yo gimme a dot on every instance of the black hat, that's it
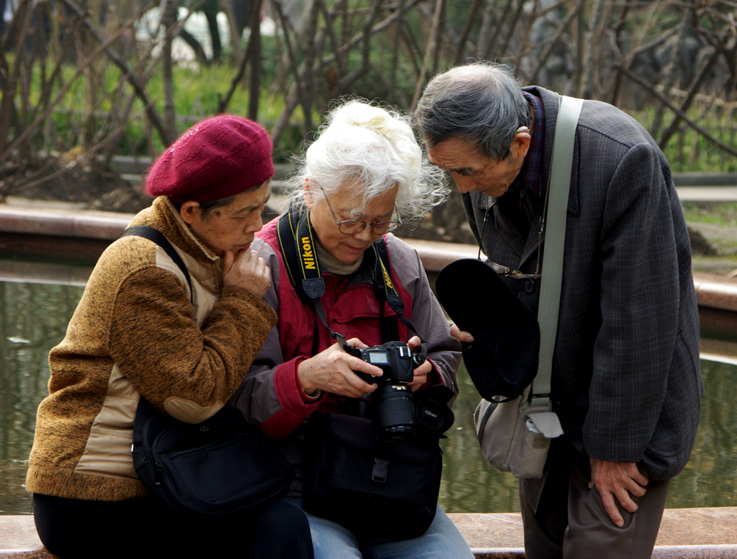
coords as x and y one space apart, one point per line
502 360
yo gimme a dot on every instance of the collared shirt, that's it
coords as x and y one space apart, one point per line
529 182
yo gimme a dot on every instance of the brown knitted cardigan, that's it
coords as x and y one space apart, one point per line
133 333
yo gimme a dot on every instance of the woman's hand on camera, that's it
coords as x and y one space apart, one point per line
334 371
248 270
421 372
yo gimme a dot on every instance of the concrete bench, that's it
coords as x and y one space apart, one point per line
703 533
707 533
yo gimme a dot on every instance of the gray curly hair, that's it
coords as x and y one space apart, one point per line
372 148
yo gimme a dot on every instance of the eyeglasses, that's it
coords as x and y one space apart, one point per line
511 273
507 271
353 227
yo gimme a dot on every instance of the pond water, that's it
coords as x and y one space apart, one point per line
37 300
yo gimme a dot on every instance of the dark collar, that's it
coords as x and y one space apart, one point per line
530 176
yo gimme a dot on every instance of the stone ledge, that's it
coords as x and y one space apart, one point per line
660 552
710 526
684 534
37 229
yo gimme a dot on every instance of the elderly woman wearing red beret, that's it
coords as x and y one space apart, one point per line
135 333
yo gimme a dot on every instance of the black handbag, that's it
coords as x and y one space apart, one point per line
220 466
375 488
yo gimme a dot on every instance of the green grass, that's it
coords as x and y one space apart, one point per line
81 116
690 152
715 214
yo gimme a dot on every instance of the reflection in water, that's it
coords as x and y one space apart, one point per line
709 479
33 318
470 484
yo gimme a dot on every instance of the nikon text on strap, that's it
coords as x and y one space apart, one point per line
297 242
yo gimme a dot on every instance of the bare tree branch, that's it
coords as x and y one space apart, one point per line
683 116
431 42
115 59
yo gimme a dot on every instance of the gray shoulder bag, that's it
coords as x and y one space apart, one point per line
515 435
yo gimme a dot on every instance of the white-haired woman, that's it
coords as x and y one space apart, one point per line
363 176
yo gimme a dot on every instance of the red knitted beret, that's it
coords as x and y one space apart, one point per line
219 157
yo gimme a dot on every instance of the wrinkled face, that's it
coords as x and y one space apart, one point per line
473 171
231 227
346 248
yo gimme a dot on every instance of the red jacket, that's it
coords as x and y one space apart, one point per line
270 394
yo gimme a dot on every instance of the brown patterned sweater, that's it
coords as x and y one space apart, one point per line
133 333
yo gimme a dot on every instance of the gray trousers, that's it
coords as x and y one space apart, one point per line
570 521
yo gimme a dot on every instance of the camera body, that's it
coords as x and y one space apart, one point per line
394 407
396 359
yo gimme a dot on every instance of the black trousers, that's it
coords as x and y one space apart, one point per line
145 527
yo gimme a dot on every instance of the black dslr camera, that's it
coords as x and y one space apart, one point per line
394 415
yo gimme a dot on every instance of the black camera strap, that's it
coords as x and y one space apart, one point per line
153 234
297 241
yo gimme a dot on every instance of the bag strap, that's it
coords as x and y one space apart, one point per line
153 234
555 235
145 410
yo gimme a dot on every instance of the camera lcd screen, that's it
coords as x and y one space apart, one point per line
378 358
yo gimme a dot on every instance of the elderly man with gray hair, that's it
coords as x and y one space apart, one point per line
626 383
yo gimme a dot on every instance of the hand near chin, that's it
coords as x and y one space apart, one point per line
247 270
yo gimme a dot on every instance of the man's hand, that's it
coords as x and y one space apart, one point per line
620 480
421 372
460 335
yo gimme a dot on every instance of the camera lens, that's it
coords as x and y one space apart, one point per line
395 411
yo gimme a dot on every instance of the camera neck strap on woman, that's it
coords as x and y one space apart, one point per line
153 234
298 246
